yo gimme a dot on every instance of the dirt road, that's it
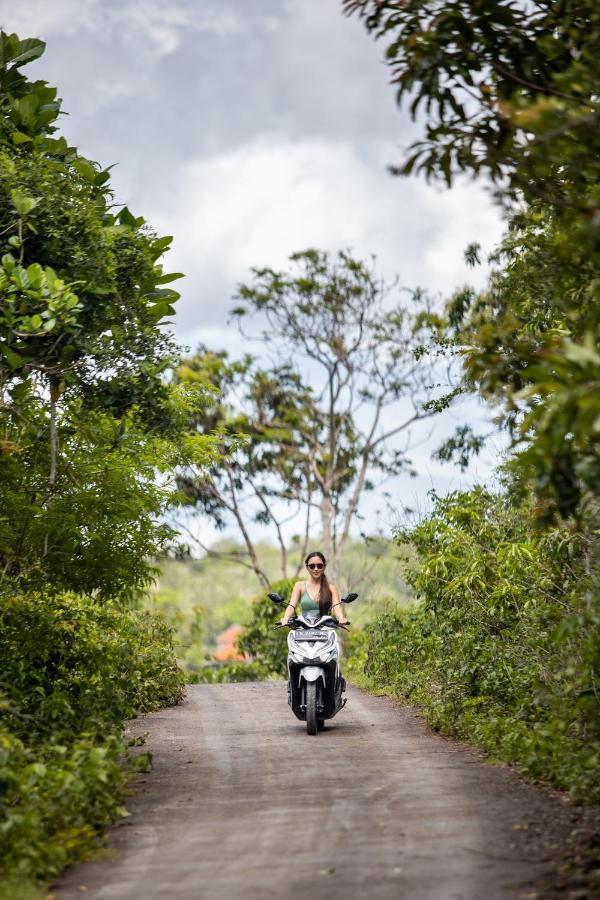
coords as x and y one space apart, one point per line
241 803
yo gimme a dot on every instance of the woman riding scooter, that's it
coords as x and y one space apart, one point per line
316 595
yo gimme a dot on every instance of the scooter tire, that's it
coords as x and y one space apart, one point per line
311 707
321 724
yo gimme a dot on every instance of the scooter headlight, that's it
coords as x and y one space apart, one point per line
300 649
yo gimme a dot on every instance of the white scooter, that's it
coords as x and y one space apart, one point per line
315 683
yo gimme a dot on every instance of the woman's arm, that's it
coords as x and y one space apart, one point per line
336 605
291 607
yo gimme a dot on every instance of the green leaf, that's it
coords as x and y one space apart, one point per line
159 310
171 276
56 146
12 357
19 137
85 168
28 50
163 294
25 110
160 245
125 217
581 354
20 391
23 203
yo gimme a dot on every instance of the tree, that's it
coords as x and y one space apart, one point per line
245 482
87 419
511 91
352 371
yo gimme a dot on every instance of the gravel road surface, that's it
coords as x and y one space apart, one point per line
242 803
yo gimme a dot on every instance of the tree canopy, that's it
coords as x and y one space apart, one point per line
87 418
510 90
353 369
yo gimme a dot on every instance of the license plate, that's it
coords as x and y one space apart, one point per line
310 636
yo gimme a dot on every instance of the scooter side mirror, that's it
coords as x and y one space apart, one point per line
276 598
349 598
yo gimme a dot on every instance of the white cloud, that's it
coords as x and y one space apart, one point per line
43 18
259 203
161 25
165 24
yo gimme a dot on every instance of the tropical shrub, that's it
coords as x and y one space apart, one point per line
260 639
89 432
504 646
232 671
71 671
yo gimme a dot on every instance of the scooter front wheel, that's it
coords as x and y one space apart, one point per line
311 707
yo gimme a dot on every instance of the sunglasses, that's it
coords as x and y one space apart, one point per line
316 566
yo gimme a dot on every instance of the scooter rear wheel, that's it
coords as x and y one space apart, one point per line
311 707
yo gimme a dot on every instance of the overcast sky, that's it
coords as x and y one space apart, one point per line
250 130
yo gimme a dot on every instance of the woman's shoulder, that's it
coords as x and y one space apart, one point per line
332 586
298 584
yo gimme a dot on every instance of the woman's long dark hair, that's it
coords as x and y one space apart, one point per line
325 596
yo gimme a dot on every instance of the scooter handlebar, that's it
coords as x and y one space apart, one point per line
293 624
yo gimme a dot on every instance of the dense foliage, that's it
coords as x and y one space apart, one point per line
71 672
89 430
86 417
504 646
511 90
260 639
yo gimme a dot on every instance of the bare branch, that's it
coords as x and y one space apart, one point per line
282 546
242 526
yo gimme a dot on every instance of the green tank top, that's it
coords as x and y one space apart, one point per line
307 604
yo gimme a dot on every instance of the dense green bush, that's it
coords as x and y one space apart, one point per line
355 644
70 672
260 639
54 798
90 431
503 649
235 670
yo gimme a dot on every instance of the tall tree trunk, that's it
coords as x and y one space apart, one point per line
326 523
304 547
